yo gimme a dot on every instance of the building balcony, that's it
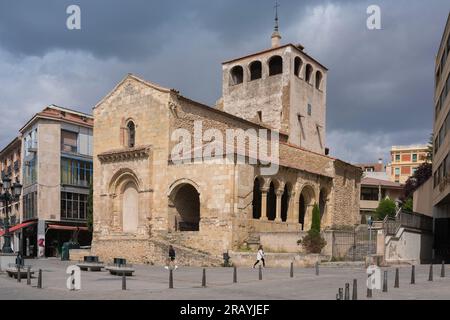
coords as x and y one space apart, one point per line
31 146
16 166
69 148
369 204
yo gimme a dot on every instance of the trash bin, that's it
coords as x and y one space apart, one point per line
65 250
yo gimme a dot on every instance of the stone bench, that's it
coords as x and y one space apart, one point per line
91 266
120 270
13 272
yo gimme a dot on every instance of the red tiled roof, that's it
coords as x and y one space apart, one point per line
378 182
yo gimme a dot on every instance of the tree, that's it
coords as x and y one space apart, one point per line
315 224
386 208
422 174
430 150
90 209
313 242
408 205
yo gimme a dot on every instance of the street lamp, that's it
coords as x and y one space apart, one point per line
10 193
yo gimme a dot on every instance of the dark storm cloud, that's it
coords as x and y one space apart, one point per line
380 84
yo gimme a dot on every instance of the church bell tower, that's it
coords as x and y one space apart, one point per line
282 88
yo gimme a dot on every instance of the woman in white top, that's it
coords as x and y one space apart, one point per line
260 257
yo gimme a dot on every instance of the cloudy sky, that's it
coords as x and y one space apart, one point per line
380 82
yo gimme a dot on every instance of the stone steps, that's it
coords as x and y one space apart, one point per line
186 256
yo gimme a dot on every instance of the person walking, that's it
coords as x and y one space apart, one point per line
260 257
171 259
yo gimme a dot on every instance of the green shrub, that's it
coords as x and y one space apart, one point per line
315 224
408 205
386 208
313 242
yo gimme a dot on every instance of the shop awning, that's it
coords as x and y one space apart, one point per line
70 228
18 227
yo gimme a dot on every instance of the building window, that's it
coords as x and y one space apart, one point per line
259 114
275 65
369 194
318 79
236 75
69 141
397 158
414 157
255 70
297 66
309 109
131 134
30 206
73 206
308 73
29 172
397 171
76 172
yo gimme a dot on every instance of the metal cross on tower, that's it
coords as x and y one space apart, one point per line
277 5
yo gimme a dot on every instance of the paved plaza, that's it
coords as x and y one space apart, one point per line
151 283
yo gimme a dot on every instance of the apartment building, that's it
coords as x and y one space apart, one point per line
10 166
441 159
57 173
405 161
374 190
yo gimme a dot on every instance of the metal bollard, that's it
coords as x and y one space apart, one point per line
317 268
29 275
235 275
39 284
170 279
413 274
292 270
260 273
204 278
124 281
19 274
347 291
397 281
385 280
369 293
355 290
430 276
443 270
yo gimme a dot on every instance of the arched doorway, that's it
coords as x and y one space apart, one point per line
256 203
285 203
185 207
306 202
130 208
271 203
302 213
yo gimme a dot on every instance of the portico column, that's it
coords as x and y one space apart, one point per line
264 192
291 211
279 194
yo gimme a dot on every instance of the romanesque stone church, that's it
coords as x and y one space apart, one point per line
144 201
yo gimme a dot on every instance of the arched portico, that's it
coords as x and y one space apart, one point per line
184 206
306 202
